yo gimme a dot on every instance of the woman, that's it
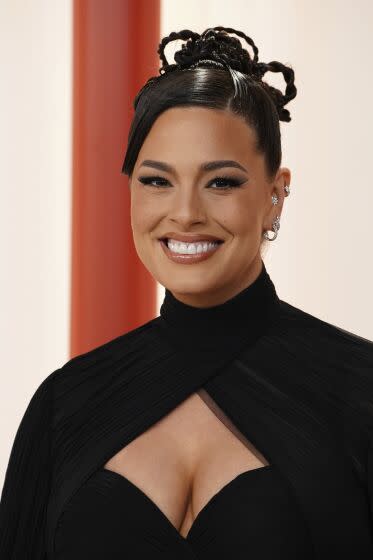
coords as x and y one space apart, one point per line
233 425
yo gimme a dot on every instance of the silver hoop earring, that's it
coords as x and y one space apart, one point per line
275 228
287 190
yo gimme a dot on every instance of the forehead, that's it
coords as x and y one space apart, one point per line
191 134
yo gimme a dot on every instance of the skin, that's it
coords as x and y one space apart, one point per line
187 200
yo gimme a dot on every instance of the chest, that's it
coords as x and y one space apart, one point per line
186 458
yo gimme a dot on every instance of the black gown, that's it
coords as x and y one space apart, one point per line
254 515
298 388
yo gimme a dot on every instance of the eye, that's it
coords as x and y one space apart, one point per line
230 182
150 180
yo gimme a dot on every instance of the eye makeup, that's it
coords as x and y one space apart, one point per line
230 182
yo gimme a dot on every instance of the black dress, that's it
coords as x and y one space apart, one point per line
299 389
254 515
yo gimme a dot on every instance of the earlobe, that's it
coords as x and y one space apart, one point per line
277 199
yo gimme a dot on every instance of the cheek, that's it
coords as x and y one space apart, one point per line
241 216
143 213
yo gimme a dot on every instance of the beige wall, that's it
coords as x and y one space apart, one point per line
322 258
35 144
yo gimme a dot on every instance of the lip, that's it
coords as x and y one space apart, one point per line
187 259
189 237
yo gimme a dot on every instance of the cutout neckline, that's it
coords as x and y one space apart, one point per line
202 511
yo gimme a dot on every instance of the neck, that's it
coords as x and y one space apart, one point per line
219 296
237 322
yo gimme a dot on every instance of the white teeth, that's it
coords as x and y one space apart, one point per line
190 248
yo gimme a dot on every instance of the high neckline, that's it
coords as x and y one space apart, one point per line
239 321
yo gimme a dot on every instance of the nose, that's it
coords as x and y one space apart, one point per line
186 207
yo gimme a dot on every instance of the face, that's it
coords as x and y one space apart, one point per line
175 193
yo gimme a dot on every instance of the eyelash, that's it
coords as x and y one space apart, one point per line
234 183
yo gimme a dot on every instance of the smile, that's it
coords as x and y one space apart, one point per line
189 253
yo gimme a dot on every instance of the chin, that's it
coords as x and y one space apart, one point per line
191 284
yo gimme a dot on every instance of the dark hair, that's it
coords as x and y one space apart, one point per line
207 83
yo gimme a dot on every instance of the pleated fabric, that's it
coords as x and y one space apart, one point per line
298 388
26 489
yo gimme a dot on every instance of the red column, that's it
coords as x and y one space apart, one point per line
114 52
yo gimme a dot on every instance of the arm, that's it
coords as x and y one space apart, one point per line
24 497
370 476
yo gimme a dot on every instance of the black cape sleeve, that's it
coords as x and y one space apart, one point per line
370 477
26 486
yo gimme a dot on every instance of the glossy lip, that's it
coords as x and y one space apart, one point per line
187 259
189 237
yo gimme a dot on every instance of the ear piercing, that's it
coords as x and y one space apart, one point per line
275 228
276 222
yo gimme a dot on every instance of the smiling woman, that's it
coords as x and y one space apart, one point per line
233 425
214 184
210 124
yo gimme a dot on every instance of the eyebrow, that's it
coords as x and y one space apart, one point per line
207 166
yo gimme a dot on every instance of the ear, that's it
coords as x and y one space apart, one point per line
276 187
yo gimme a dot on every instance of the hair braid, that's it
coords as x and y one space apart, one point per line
279 98
216 48
185 35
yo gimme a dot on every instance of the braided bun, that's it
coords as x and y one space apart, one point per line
217 49
213 70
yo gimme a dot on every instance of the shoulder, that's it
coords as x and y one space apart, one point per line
85 379
295 319
74 380
326 343
112 349
116 350
334 360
